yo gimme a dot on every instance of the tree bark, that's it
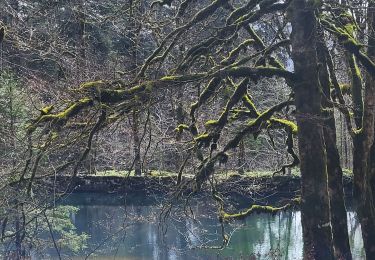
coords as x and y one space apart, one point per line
316 227
340 235
363 152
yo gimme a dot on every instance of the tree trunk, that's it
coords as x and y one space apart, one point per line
315 215
81 47
363 145
241 157
340 236
136 145
134 36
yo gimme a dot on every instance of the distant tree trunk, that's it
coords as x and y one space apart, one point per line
81 19
134 37
336 190
180 119
136 145
316 227
241 157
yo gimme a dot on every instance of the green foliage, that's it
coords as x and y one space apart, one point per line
56 221
12 99
65 230
13 113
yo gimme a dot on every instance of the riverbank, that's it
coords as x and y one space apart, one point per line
234 186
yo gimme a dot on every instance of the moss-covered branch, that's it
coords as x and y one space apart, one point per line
62 117
350 44
216 126
205 95
175 34
236 51
241 11
259 209
206 169
239 18
256 125
255 73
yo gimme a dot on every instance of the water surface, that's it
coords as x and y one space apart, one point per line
130 228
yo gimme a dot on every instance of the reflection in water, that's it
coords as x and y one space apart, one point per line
132 231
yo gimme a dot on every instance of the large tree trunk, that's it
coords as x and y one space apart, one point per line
316 225
336 190
363 193
363 145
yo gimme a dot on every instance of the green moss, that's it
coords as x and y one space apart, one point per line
46 110
181 127
235 52
71 110
275 63
348 22
351 45
205 95
149 86
291 125
54 135
169 78
357 71
259 209
259 71
358 131
61 117
343 35
350 29
92 84
30 128
345 89
347 172
252 122
183 78
249 104
203 139
211 123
